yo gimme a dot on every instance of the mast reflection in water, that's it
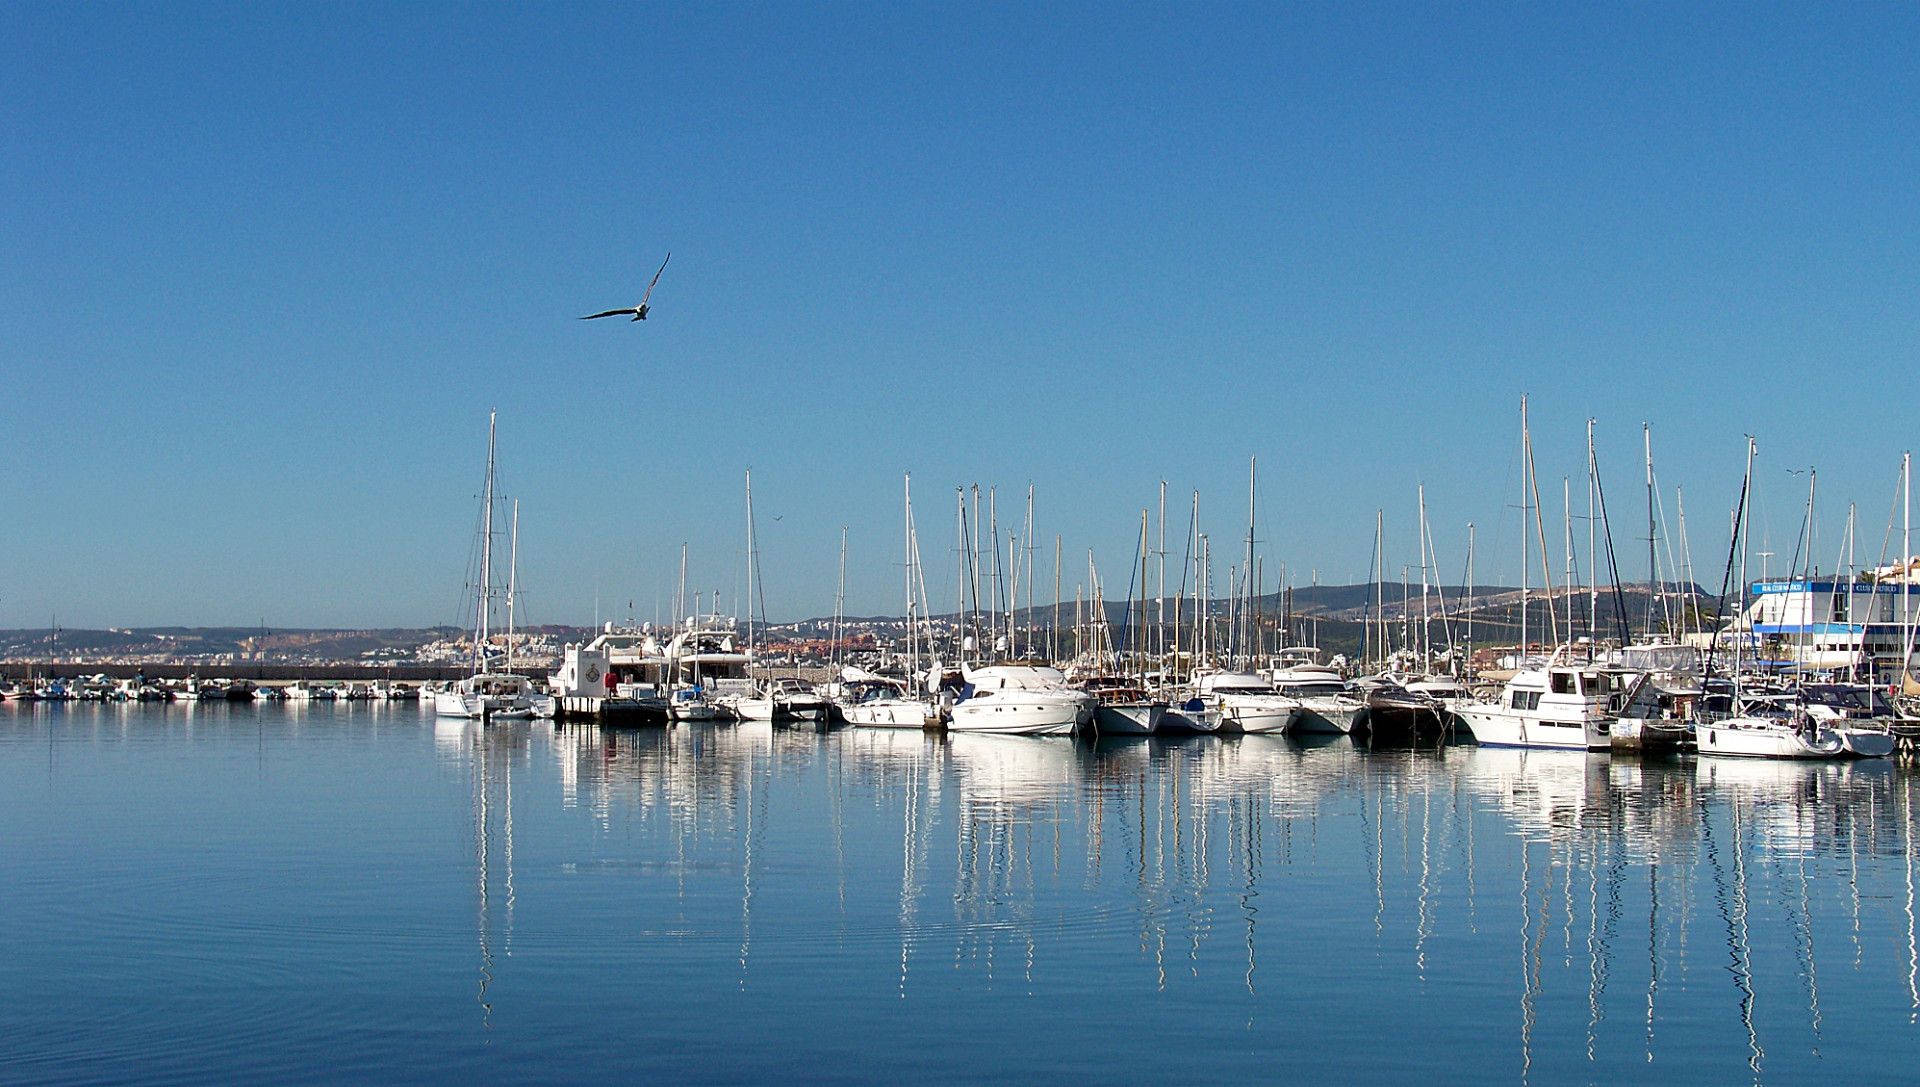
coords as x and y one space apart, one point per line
270 895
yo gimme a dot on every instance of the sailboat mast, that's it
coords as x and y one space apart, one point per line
1540 525
1426 618
1380 586
482 622
1053 629
913 622
1246 611
1566 499
751 543
840 603
1026 555
1469 597
1160 589
513 578
1746 523
973 561
1139 624
999 585
1653 559
1593 557
960 612
1526 466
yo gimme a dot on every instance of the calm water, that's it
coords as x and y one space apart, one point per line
362 893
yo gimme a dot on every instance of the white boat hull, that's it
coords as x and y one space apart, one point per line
888 713
458 704
1759 738
1015 715
1495 726
1256 715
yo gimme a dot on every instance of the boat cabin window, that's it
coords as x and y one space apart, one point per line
1526 700
1562 683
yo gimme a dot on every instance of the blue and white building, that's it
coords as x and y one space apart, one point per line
1831 625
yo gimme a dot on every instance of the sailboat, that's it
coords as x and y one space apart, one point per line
485 693
1762 728
883 702
1563 704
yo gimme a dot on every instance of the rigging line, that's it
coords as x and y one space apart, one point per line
1613 563
1726 579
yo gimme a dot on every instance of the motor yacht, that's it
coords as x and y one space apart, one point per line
1559 706
1326 702
1245 701
1020 699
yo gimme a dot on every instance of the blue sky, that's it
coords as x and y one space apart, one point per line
265 268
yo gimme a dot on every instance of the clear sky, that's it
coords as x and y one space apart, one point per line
265 268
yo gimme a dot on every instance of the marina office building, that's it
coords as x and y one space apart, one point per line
1832 624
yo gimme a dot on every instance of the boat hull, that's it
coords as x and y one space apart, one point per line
1326 716
1396 721
1256 716
888 713
1649 736
1016 716
1499 727
1750 738
1129 718
1864 743
1190 718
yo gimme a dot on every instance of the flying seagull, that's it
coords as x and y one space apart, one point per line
640 311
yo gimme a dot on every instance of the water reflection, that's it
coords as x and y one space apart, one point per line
1622 912
490 753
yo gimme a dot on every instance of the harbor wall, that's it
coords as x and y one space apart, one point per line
253 670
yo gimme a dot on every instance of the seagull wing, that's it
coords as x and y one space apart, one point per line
656 279
609 313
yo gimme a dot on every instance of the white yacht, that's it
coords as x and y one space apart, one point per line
1020 699
1246 702
494 695
786 698
879 702
1560 706
1325 699
692 704
706 654
624 665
